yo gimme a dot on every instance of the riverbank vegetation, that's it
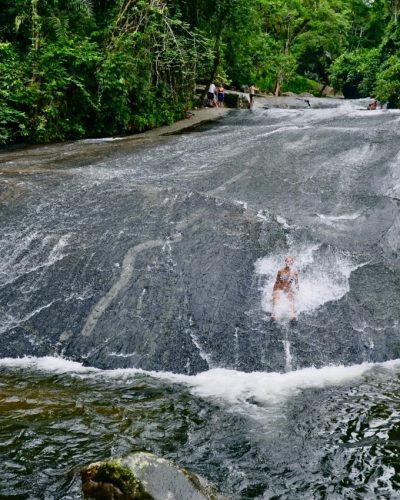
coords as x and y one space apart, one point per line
88 68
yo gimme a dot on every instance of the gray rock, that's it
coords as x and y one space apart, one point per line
144 476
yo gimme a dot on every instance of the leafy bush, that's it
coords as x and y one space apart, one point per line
388 82
299 84
354 73
369 67
121 77
13 95
64 90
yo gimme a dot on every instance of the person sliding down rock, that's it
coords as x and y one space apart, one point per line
287 282
373 105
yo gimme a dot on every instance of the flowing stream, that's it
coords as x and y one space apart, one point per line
135 302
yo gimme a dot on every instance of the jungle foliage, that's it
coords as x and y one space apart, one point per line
86 68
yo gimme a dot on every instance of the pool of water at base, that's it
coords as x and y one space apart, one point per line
316 433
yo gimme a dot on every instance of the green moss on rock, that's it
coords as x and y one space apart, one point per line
112 480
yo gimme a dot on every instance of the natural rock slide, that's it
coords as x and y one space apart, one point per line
161 254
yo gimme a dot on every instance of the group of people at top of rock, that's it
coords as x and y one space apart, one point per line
216 95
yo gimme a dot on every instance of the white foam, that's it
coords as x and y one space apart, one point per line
219 383
47 364
288 355
282 221
263 215
280 130
333 219
123 355
202 353
234 386
241 203
323 275
100 140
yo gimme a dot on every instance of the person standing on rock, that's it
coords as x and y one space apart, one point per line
211 95
287 282
221 96
252 94
373 105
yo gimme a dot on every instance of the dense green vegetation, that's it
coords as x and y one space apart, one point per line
78 68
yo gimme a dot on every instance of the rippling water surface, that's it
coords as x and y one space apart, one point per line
327 433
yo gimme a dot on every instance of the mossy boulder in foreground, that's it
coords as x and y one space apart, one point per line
143 476
112 480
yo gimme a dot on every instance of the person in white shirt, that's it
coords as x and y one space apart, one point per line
211 95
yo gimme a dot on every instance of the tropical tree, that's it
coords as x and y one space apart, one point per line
298 28
387 87
354 73
149 68
371 66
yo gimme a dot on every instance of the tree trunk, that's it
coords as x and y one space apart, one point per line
278 83
277 89
281 74
35 38
395 9
217 58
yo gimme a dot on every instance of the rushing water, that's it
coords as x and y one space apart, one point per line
327 433
149 265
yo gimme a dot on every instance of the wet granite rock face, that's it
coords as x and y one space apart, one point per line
143 476
164 280
146 257
236 100
187 295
